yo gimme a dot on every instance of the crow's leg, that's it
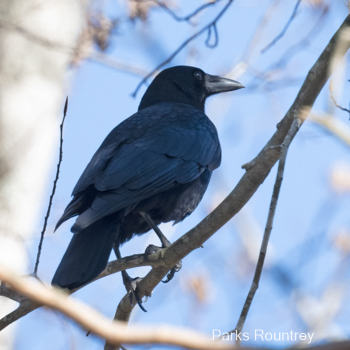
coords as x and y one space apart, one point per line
130 283
165 243
163 239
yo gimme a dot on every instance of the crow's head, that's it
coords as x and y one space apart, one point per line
185 84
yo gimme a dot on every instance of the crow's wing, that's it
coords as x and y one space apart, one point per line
172 129
148 153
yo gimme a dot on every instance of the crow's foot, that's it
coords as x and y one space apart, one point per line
172 272
131 287
153 249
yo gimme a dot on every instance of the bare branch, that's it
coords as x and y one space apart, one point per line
89 54
339 43
333 125
102 58
208 27
114 332
302 44
26 306
333 98
35 273
288 55
269 224
279 36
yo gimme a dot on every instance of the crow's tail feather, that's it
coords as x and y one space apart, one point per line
87 254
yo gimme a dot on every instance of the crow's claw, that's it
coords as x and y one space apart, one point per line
153 249
172 272
131 287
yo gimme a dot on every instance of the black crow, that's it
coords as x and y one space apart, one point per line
153 167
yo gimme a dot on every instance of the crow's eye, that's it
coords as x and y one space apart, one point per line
198 75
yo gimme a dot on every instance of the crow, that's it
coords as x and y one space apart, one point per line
154 167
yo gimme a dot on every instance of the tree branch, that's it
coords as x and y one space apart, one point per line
334 100
117 332
114 332
268 228
26 305
209 27
257 170
35 273
334 126
279 36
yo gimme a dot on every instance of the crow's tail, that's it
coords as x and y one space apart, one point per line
87 254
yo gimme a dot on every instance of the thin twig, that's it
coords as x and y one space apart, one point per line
268 228
35 273
208 28
302 44
333 98
211 29
279 36
287 56
106 60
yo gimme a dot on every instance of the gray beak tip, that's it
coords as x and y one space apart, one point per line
215 84
236 85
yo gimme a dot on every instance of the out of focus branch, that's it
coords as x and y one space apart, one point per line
303 43
102 58
210 27
35 273
77 51
333 125
279 36
286 58
26 305
114 332
117 332
333 98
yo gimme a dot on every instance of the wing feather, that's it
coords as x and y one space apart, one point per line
150 152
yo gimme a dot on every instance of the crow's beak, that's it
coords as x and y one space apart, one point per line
215 84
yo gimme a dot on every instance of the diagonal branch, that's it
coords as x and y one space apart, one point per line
257 170
268 228
279 36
